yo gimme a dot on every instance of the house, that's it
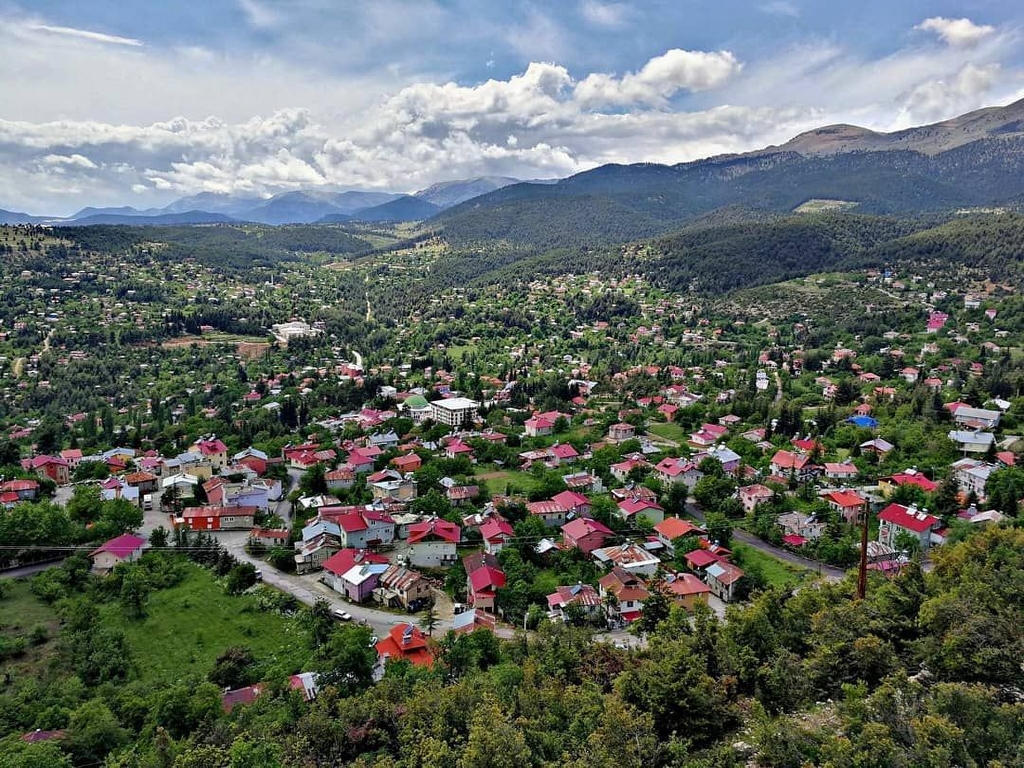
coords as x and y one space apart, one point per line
462 495
384 440
341 563
471 620
670 470
360 460
564 453
307 682
621 432
49 467
359 581
575 504
410 462
23 490
405 642
454 411
622 469
219 518
397 488
585 534
877 446
496 534
847 503
73 456
629 591
722 579
269 537
456 448
551 512
752 495
124 549
970 441
583 482
630 509
539 427
144 482
630 556
972 476
887 485
340 479
672 528
841 472
319 543
975 418
433 543
582 597
117 488
800 525
484 578
728 458
686 590
700 559
896 519
360 527
792 465
256 460
247 695
213 450
400 587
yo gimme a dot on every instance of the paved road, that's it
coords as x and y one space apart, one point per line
828 571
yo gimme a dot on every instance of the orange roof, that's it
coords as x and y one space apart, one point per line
674 527
405 641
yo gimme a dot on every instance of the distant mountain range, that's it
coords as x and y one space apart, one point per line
972 161
297 207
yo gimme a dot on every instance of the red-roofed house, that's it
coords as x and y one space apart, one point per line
678 471
50 467
496 534
405 641
630 508
575 504
539 427
896 519
247 695
341 562
564 453
888 485
550 511
23 490
841 472
219 518
433 543
672 528
585 534
483 583
788 464
687 590
410 462
630 592
213 450
847 503
699 559
124 549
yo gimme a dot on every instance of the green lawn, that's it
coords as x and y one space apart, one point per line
519 482
189 625
669 431
778 573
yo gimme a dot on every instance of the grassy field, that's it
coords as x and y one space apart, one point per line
20 613
519 482
189 625
778 573
669 431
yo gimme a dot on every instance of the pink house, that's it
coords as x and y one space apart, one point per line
585 534
630 508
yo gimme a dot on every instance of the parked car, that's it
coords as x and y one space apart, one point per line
341 615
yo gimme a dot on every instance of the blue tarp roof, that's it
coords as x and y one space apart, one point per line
863 421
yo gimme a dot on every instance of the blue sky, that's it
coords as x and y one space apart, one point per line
129 102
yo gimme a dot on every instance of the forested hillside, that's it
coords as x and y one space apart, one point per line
924 672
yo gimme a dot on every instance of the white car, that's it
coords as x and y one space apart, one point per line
341 615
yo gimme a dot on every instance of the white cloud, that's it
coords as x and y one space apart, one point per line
780 8
940 99
660 78
259 15
610 15
79 161
956 32
85 34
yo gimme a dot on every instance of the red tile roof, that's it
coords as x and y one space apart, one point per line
120 547
909 518
435 528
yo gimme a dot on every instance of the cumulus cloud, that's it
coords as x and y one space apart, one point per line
943 98
956 32
659 79
78 161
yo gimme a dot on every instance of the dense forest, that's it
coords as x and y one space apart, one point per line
924 672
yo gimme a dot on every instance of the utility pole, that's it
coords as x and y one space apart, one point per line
862 571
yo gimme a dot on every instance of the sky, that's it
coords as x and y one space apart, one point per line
140 102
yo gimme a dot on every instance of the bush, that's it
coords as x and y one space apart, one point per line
39 634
